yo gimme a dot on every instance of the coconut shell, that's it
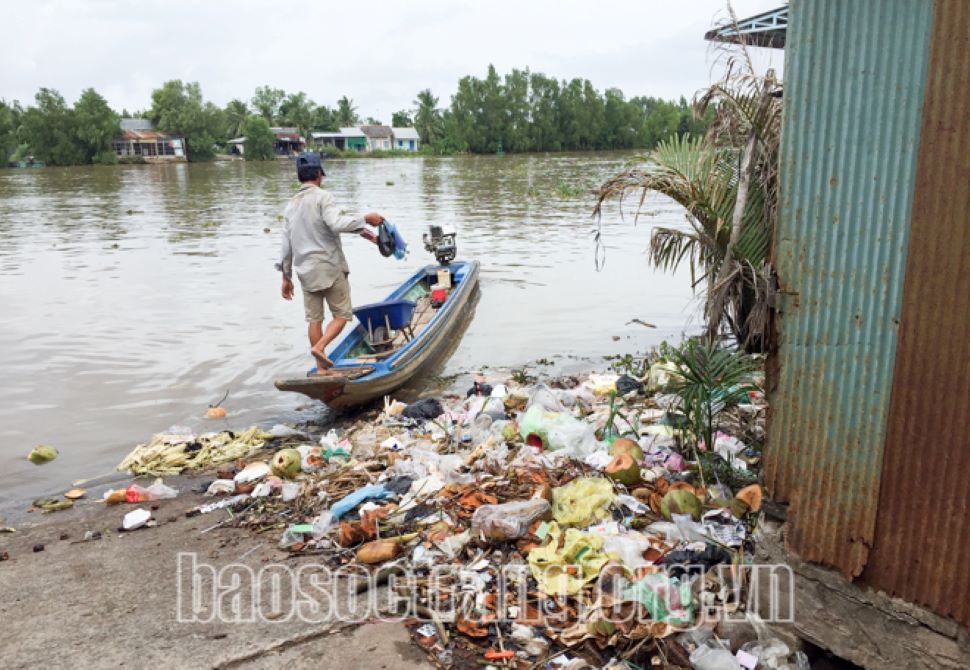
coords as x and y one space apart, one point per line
680 501
378 551
751 495
641 493
623 469
624 445
287 463
682 486
739 508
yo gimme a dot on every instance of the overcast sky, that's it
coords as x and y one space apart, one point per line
378 53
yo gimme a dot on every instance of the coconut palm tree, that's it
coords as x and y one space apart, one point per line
727 181
236 114
427 118
347 112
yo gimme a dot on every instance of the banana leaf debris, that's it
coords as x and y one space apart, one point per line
573 523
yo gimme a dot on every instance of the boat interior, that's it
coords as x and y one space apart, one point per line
384 328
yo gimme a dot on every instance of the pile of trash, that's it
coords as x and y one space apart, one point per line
568 523
181 449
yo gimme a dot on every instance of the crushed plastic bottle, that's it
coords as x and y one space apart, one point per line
509 521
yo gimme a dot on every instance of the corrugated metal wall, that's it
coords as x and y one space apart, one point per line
869 436
923 526
853 99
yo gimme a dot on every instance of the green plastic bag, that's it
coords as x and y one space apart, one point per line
666 598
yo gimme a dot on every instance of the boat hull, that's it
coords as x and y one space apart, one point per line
427 354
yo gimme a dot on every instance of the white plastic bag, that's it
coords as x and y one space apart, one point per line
713 658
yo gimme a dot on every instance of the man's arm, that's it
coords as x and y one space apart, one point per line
285 265
342 223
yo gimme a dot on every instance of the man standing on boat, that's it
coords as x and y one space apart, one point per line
311 245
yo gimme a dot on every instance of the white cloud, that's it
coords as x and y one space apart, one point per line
380 54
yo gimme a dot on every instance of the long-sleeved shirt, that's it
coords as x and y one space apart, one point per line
312 224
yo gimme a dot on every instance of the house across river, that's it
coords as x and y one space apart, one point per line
366 139
139 138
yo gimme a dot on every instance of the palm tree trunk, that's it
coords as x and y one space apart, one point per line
717 297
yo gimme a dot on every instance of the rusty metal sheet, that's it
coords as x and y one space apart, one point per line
854 85
923 529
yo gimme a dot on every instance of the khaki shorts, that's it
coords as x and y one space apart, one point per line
337 298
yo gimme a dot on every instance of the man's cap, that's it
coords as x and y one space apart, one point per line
309 159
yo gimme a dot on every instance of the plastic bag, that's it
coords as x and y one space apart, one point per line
528 641
386 243
771 652
799 662
557 431
542 396
713 658
426 408
660 375
576 438
453 544
481 428
509 521
729 448
322 524
349 502
495 408
602 385
628 549
666 598
280 430
400 246
292 537
625 384
582 501
159 491
565 570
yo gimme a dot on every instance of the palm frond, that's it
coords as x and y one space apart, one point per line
703 174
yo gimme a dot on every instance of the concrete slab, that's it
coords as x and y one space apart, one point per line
115 602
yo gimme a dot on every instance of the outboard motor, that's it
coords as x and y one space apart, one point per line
441 243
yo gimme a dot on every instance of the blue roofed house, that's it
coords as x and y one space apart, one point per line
406 139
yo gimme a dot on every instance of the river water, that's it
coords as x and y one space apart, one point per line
135 296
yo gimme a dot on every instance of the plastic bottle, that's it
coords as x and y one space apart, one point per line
509 521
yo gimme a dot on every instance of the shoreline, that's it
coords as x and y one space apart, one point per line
115 586
18 509
348 155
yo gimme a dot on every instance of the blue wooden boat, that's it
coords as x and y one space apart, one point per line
397 339
26 164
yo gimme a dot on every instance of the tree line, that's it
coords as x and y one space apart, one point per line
522 111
